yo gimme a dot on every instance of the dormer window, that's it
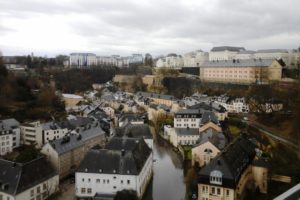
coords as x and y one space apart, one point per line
216 177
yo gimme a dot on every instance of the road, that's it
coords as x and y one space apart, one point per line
264 129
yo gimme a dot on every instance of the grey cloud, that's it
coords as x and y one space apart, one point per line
162 26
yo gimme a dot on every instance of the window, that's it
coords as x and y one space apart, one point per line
213 190
97 180
83 180
227 193
82 190
216 177
115 187
121 181
218 191
128 182
44 186
31 193
38 189
89 180
89 190
107 180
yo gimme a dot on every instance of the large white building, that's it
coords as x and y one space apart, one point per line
224 53
35 179
233 105
195 58
273 54
39 134
124 164
172 60
9 135
83 60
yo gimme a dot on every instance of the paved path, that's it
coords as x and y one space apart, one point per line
264 129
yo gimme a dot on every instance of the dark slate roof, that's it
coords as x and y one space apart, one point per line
228 48
134 131
8 124
76 123
120 156
189 111
130 117
233 160
19 177
216 138
186 131
208 107
246 52
272 51
238 63
157 96
73 141
209 117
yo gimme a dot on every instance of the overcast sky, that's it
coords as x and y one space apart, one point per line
105 27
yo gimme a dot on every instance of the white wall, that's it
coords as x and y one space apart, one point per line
112 183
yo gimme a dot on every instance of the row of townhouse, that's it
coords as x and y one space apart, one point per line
86 60
226 53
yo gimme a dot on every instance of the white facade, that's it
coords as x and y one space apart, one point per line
39 134
88 184
170 61
273 54
40 191
195 58
82 60
237 105
222 55
192 121
9 135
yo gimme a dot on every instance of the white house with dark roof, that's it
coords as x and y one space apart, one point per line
36 179
9 135
125 163
38 134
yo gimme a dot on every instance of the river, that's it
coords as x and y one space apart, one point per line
168 176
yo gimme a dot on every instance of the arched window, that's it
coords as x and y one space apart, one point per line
216 177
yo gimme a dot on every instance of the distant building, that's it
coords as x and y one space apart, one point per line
224 53
71 99
233 105
195 58
172 61
273 54
124 164
9 135
136 59
35 179
66 153
83 60
168 100
241 71
234 170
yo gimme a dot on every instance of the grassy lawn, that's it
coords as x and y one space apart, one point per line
235 131
187 152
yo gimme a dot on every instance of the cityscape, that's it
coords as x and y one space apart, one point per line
140 100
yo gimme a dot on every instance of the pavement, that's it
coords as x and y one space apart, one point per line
67 190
